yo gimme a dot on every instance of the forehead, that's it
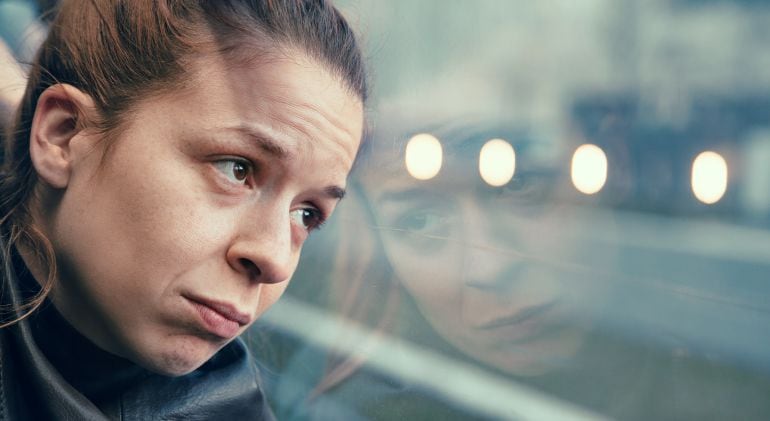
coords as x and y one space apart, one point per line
288 97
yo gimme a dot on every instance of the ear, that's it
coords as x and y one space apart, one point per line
60 116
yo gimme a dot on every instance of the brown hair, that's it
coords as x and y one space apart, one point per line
120 51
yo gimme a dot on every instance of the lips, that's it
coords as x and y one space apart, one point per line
525 325
219 318
521 316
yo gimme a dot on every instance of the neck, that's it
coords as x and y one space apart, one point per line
52 281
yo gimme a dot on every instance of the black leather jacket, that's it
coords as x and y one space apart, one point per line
48 371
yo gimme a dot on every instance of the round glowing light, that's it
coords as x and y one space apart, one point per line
423 156
497 162
589 168
709 177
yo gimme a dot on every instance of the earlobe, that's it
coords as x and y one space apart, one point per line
60 116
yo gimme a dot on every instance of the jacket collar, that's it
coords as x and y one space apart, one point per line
68 377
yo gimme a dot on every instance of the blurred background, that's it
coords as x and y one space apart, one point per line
562 211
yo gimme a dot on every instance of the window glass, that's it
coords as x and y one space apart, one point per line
562 212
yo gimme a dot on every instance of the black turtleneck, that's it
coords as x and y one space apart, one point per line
60 374
99 375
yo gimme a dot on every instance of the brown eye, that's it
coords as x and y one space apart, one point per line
308 218
240 172
235 170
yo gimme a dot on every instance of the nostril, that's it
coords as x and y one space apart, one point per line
252 270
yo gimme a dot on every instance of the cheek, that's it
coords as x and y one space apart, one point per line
433 280
173 225
139 224
417 268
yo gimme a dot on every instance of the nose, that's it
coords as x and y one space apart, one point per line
263 250
488 268
488 263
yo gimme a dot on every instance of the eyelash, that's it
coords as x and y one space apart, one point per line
227 166
319 221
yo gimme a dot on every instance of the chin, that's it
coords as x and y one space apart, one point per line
525 367
178 359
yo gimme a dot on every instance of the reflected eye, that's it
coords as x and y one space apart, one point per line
526 195
423 222
307 218
422 225
237 171
423 231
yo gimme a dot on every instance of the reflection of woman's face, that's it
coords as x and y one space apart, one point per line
479 260
194 223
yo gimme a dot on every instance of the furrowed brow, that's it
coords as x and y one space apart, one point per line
404 195
274 147
264 141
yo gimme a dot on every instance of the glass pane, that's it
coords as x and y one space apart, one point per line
589 262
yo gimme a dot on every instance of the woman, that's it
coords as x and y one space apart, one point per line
167 162
504 278
487 274
498 275
490 267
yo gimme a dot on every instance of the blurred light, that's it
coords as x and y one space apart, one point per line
497 162
709 177
423 156
589 168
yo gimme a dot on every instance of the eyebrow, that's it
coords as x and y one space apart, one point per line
263 140
335 192
409 194
273 147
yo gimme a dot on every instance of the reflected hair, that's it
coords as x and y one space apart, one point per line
120 52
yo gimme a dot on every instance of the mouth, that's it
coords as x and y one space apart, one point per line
525 325
219 318
524 315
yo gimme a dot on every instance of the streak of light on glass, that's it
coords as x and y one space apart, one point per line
589 168
423 156
497 162
709 177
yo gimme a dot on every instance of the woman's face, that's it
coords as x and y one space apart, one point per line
189 227
485 265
